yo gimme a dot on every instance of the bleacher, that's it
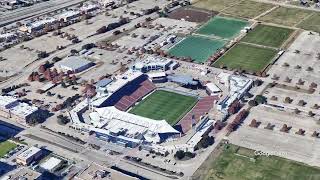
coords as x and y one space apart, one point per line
128 100
201 108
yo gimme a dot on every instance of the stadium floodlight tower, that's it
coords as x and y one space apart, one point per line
193 121
89 94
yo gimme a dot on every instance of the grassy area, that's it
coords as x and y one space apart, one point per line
312 23
196 47
222 27
268 35
165 105
248 9
215 5
285 16
5 147
246 57
229 166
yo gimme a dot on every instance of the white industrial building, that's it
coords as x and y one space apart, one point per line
28 156
237 85
51 164
10 107
212 89
154 63
38 25
74 63
69 16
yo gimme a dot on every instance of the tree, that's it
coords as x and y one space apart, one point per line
285 64
179 155
260 99
297 67
101 30
309 69
301 103
274 98
252 103
288 100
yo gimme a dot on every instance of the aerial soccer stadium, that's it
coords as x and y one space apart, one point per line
130 109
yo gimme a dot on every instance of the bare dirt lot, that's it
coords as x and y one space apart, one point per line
192 14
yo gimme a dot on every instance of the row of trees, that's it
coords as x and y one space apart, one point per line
237 120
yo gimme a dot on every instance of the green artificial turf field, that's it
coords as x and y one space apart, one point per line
5 147
165 105
229 166
268 35
246 57
196 47
222 27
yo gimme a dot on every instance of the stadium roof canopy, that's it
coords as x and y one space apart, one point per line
182 79
113 119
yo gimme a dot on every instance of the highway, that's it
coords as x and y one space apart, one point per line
35 10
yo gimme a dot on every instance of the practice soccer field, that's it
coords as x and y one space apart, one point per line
5 147
196 47
268 35
286 16
246 57
165 105
222 27
247 9
229 166
312 23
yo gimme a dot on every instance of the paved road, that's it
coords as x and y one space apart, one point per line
35 10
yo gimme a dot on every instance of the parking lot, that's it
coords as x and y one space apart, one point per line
289 145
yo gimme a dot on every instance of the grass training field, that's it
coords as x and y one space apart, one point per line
268 35
165 105
246 57
229 166
285 16
312 23
248 9
196 47
222 27
214 5
5 147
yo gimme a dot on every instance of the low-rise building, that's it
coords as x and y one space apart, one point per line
154 63
51 164
10 107
7 37
28 156
23 174
212 89
69 16
38 25
74 63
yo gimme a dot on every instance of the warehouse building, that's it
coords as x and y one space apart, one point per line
69 16
51 164
28 156
38 25
74 63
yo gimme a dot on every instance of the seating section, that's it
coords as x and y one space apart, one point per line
129 100
202 107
